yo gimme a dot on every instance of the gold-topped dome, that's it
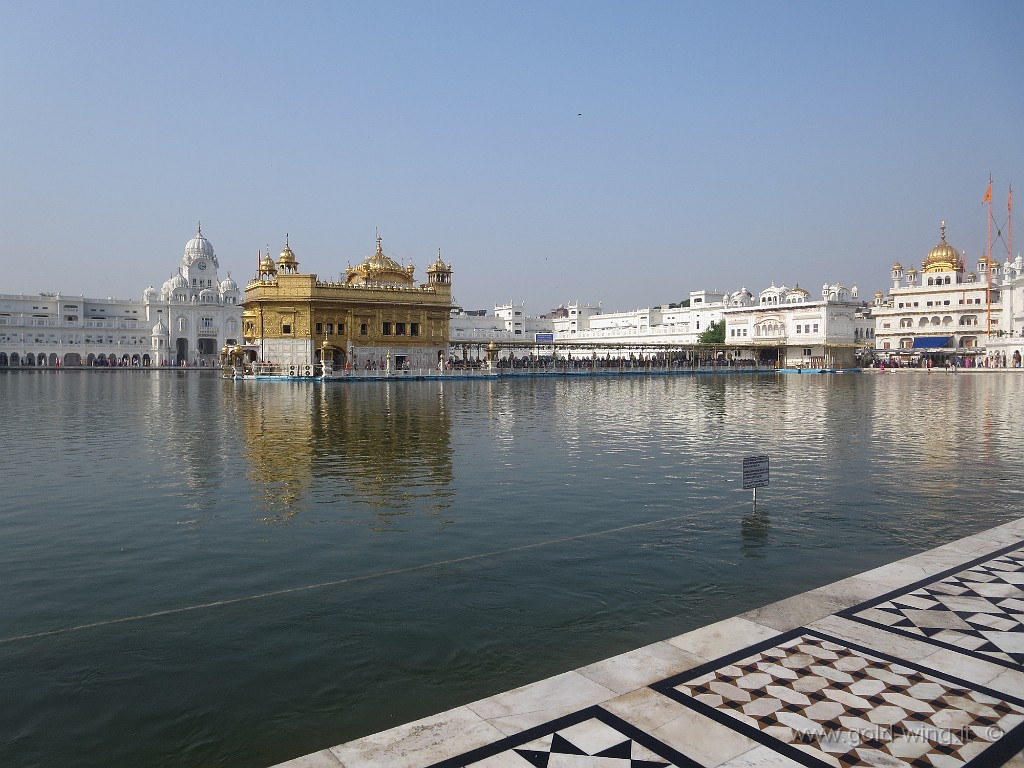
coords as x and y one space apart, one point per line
879 295
943 257
897 267
380 269
799 290
286 259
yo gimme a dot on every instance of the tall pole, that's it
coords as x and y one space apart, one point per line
988 255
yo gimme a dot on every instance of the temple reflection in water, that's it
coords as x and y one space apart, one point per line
372 446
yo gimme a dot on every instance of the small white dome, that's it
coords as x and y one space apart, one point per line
160 329
149 294
228 284
178 281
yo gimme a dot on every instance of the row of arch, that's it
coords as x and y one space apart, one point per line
923 322
71 359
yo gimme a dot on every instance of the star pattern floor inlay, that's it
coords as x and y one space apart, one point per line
977 609
590 738
822 701
805 696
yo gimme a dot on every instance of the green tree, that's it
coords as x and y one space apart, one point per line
715 334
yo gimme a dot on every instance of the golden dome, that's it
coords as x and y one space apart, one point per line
439 265
879 295
380 269
286 258
802 291
943 257
267 264
897 267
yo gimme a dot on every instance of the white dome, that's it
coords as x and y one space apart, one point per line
199 248
149 294
178 281
160 329
228 284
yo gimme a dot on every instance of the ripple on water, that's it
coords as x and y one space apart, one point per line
420 546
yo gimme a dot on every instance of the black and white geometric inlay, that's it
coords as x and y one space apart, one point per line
976 609
591 738
824 702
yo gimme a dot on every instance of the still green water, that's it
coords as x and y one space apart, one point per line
201 572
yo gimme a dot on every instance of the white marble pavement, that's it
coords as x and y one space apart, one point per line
917 663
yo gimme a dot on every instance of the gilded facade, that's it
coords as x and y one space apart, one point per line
375 316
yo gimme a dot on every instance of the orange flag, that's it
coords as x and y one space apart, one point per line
988 193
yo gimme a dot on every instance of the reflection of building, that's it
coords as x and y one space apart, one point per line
383 451
376 313
187 322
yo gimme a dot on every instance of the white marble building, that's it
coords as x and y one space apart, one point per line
195 313
944 312
803 332
186 323
781 323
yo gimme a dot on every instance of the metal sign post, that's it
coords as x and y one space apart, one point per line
755 473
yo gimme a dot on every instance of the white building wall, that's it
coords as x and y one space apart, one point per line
66 329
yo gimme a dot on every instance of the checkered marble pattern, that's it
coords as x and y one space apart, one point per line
591 738
977 609
821 701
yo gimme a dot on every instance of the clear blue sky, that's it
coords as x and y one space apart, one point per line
622 152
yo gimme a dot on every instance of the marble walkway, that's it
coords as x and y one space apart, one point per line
916 663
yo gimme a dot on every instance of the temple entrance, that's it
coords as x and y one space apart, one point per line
181 346
207 346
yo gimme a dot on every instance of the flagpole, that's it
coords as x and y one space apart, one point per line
988 254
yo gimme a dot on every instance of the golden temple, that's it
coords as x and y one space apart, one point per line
375 313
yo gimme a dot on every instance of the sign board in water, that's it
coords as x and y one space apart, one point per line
755 472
